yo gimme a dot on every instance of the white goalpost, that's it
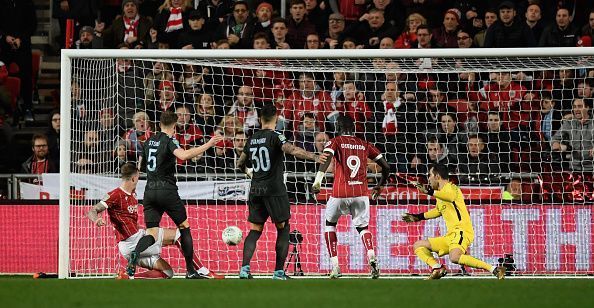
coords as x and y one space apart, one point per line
500 119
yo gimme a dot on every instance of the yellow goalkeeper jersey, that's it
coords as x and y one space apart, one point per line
450 205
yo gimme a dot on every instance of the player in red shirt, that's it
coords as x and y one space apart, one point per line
349 191
122 209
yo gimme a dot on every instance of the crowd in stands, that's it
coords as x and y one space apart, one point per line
481 125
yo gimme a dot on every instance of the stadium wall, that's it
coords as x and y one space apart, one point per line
544 239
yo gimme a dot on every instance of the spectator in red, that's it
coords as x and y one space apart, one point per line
130 28
244 110
409 35
350 9
18 23
533 17
40 162
445 35
135 137
563 33
172 19
298 24
279 31
336 26
509 31
238 28
187 134
263 18
490 18
310 98
196 36
369 31
356 107
167 100
505 96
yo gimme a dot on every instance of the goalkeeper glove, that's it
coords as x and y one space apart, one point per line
315 188
376 192
249 172
408 217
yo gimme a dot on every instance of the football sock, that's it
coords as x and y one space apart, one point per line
144 243
187 248
331 243
367 239
249 246
152 274
426 256
474 262
282 246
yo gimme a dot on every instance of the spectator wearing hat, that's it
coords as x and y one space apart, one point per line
263 18
562 33
87 39
298 24
130 28
172 20
509 31
533 20
584 41
370 31
445 35
197 36
336 26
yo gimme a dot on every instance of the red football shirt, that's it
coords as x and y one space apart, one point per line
350 175
122 208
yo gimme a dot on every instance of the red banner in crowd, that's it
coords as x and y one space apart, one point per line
405 193
543 239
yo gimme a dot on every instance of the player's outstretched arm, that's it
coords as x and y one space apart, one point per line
93 214
322 172
193 152
298 152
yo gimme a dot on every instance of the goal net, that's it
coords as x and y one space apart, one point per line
514 127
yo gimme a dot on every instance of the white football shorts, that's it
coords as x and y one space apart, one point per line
358 207
149 257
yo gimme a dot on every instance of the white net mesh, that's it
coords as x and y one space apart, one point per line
516 132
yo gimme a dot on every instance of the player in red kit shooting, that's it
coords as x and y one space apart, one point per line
122 209
349 191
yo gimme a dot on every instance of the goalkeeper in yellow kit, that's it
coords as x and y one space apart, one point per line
460 234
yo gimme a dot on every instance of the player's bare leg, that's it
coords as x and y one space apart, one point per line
282 249
331 245
249 247
457 256
423 250
367 239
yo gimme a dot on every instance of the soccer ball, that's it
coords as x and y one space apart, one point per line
232 235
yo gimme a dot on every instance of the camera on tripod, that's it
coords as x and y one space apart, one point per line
508 262
295 237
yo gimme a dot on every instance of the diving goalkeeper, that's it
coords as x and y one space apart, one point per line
460 234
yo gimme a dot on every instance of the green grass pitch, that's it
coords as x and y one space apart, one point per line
310 293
